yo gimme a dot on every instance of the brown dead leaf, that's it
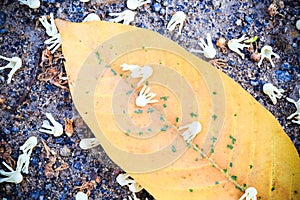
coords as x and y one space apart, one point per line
69 127
5 154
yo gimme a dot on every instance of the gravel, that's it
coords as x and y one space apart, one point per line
20 118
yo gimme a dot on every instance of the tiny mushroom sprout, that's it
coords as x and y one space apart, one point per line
250 194
23 163
14 64
91 17
134 4
81 196
177 18
127 16
13 176
235 45
88 143
145 97
56 130
54 43
51 29
29 145
273 92
134 187
207 49
138 72
23 160
267 52
296 114
31 3
192 130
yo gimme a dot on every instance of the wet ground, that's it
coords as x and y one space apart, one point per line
25 101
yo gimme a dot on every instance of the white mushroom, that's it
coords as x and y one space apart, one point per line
56 130
23 163
235 45
177 18
88 143
51 29
192 130
81 196
296 114
127 16
13 176
29 144
54 42
145 97
207 49
134 4
91 17
267 52
250 194
273 92
138 72
31 3
134 187
15 63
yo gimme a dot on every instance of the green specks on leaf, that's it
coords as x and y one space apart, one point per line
235 115
273 188
212 150
173 148
214 117
149 129
140 133
225 170
213 139
177 119
214 93
150 110
114 72
250 166
230 164
245 185
193 114
138 111
165 98
233 140
229 146
132 86
87 92
162 118
129 92
164 105
196 159
98 57
234 178
147 83
217 182
191 190
164 128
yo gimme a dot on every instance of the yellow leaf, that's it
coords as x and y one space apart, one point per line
240 145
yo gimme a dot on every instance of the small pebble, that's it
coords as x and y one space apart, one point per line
156 7
2 18
65 151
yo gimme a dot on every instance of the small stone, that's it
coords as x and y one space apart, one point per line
156 7
298 24
65 151
2 18
283 76
249 20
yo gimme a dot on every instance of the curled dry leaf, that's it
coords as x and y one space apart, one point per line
251 148
5 154
87 186
69 131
